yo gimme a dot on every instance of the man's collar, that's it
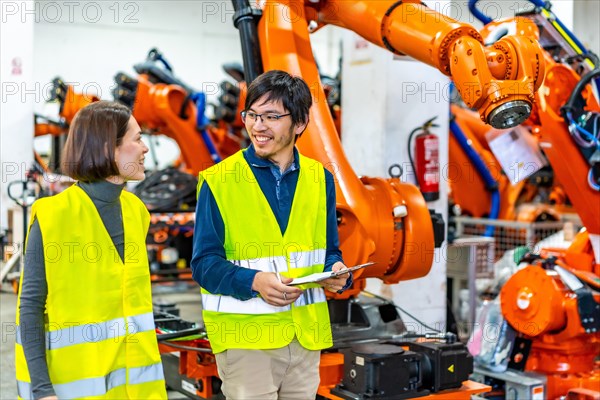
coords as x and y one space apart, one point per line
255 160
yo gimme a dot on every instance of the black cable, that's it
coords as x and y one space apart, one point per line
245 20
404 311
589 55
425 128
50 121
570 104
167 190
182 347
412 163
184 104
416 319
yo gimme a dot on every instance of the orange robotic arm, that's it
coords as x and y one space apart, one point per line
558 144
468 188
160 107
556 302
49 128
499 81
70 102
381 220
385 220
166 109
552 306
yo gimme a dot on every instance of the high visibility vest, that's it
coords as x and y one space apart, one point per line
100 333
253 240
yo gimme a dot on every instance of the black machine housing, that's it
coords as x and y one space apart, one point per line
403 370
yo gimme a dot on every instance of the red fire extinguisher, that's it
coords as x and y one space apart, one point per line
427 168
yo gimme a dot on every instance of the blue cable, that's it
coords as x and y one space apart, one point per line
484 19
592 138
538 3
588 135
582 130
591 182
490 183
199 98
494 211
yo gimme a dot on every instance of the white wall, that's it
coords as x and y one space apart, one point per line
16 108
88 42
495 9
585 23
579 16
94 43
384 99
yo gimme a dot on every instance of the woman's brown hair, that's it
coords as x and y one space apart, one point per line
96 130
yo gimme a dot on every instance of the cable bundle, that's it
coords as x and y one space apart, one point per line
168 190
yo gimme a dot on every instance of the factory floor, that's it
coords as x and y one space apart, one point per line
185 296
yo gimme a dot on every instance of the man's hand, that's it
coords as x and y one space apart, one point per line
49 398
274 292
337 282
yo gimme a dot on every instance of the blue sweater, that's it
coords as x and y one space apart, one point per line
210 267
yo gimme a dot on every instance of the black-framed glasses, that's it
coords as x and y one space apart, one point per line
251 116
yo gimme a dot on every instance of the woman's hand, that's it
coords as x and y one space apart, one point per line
49 398
336 283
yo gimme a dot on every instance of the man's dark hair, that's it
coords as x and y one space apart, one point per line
94 134
279 86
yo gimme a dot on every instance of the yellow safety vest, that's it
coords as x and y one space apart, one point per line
100 337
253 240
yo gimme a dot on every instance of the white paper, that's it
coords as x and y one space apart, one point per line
319 276
517 151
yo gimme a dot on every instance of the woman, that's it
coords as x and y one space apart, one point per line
85 310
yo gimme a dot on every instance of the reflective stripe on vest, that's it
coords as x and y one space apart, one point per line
253 240
98 386
307 258
228 304
97 332
298 259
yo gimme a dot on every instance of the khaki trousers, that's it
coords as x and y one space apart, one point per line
288 373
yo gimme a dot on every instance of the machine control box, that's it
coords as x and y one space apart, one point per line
402 370
380 371
444 365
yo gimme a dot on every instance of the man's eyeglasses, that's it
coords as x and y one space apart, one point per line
251 116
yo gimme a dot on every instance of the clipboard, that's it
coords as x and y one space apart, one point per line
321 276
356 267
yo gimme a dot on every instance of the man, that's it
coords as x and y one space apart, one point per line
264 216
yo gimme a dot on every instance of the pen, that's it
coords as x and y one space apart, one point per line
276 270
279 277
